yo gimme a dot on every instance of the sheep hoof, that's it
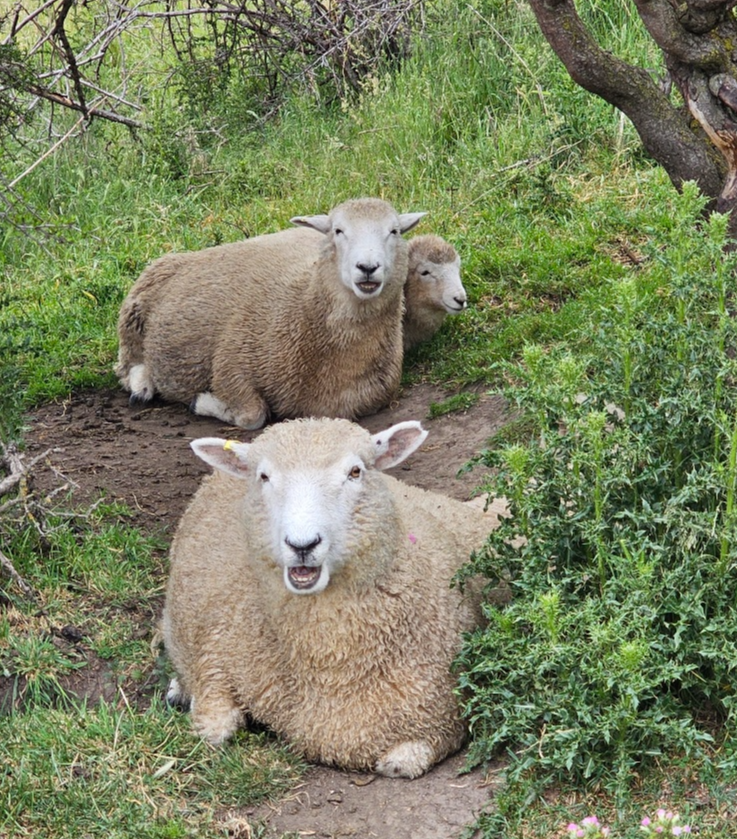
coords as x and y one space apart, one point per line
253 422
407 760
217 727
176 697
208 405
141 386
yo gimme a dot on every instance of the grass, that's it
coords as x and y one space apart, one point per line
547 196
115 771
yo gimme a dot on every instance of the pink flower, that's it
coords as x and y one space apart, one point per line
572 827
645 822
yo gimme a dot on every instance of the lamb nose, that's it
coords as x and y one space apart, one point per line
303 549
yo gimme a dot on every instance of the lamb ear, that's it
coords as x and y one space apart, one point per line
397 443
226 455
319 223
409 220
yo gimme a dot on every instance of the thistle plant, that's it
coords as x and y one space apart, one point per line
621 547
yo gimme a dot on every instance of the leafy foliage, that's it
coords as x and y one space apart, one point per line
620 640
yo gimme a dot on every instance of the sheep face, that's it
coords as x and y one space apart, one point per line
364 233
443 284
307 481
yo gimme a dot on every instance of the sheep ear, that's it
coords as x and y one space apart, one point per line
319 223
397 443
226 455
409 220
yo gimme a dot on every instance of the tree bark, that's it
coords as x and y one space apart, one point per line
698 39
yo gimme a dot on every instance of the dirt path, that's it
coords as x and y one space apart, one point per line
141 457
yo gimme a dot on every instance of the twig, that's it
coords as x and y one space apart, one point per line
17 468
48 152
9 569
92 111
18 26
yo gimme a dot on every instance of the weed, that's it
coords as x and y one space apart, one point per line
459 402
619 641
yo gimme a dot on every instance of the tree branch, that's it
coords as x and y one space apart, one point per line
59 32
686 37
94 110
663 129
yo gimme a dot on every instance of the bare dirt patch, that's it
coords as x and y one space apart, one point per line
141 457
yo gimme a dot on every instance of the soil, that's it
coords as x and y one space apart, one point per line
140 457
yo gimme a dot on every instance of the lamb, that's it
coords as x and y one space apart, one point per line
296 323
312 592
433 289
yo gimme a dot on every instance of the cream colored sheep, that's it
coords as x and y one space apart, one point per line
296 323
433 290
312 592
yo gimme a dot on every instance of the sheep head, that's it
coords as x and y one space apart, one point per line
435 265
364 233
315 490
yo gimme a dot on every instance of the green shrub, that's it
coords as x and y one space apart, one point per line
619 643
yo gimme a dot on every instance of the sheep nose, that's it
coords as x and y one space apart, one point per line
461 301
368 270
303 549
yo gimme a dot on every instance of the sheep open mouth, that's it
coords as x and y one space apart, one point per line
303 577
368 287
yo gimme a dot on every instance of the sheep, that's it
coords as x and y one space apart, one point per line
433 288
311 592
296 323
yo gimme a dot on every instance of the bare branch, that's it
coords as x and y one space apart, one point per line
59 32
16 27
92 111
48 152
9 569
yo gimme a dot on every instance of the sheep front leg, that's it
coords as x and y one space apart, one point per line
209 405
215 716
407 760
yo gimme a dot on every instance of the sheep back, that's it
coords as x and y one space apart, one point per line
180 305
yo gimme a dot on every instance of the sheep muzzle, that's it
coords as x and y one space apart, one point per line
303 577
368 287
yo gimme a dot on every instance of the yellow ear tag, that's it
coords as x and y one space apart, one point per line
228 445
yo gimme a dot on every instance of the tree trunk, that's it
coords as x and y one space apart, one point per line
698 39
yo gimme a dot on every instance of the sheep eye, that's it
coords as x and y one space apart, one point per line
394 232
264 478
338 231
355 473
424 273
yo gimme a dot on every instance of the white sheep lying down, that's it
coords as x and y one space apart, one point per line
433 290
312 592
303 322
